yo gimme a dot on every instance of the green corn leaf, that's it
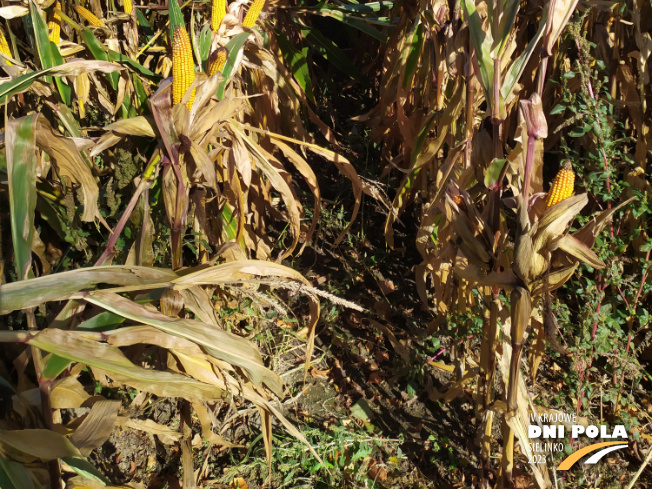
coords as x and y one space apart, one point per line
482 43
96 49
135 66
42 40
513 75
233 47
69 120
230 223
104 321
140 92
414 53
64 90
22 165
194 41
175 15
14 475
54 216
204 45
54 365
493 172
510 9
18 85
48 52
298 63
421 137
360 23
330 51
83 467
367 8
142 22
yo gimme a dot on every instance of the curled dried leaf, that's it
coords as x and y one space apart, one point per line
556 219
580 251
535 119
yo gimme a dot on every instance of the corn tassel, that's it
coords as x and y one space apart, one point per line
216 61
90 17
183 68
253 13
54 25
219 11
128 6
4 47
562 185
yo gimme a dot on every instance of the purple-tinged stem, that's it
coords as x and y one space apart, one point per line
109 250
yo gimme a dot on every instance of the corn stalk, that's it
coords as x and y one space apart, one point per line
490 35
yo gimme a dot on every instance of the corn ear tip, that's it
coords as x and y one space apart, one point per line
562 185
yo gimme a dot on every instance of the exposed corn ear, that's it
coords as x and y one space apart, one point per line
89 16
216 61
562 185
253 13
4 47
219 11
128 6
183 68
54 24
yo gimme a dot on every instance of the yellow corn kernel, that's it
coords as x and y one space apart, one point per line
4 47
54 24
90 17
183 68
216 61
219 11
562 185
128 6
253 13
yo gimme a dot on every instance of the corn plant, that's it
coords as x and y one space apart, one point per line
474 247
215 149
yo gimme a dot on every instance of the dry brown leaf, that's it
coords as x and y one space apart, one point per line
206 427
96 427
67 393
70 164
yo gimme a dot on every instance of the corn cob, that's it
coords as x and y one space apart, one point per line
216 61
54 25
253 13
183 68
4 47
90 17
128 6
562 185
219 11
